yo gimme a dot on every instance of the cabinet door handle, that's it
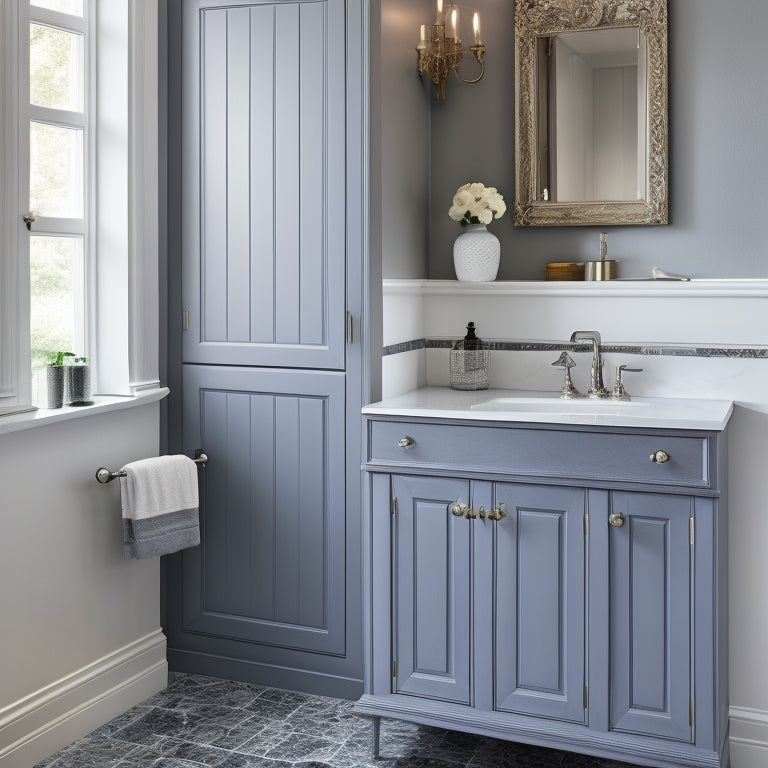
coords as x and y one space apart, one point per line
405 442
616 519
498 513
458 509
659 457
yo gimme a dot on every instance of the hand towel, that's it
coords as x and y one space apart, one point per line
160 506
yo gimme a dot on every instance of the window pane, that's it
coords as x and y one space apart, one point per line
73 7
55 170
55 68
56 287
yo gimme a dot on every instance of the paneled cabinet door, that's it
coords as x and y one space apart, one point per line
650 614
264 180
539 578
270 568
431 588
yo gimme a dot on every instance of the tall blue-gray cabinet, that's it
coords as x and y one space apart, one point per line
271 264
557 585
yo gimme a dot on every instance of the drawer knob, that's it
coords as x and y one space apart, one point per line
659 457
616 519
406 442
458 509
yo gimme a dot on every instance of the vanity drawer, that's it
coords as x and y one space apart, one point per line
548 453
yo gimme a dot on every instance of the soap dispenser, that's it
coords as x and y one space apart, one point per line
470 362
471 342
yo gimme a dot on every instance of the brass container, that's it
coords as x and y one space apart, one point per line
601 270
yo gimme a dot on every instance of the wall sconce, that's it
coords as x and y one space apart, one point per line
440 53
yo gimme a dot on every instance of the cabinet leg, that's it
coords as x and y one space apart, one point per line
376 736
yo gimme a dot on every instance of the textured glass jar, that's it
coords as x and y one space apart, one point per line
54 379
79 384
469 368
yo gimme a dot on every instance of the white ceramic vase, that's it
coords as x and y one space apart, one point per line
476 254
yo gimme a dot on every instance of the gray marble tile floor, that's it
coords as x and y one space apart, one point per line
206 722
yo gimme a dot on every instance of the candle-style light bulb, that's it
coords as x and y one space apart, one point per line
476 26
455 23
423 34
439 11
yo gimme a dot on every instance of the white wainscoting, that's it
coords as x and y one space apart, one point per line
63 711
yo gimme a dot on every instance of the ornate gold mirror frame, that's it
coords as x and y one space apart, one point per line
537 19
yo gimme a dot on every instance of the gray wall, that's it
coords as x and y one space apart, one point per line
404 115
718 160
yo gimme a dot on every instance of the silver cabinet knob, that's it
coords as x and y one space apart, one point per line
405 442
659 457
458 509
616 519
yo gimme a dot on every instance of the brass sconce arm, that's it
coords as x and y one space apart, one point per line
439 55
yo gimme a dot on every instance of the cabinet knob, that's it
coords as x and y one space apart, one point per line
458 509
616 519
405 442
498 513
659 457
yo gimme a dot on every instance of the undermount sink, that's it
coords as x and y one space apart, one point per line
551 405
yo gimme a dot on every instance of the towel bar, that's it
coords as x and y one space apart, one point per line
103 475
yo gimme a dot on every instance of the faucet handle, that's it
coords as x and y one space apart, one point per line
564 361
619 392
567 391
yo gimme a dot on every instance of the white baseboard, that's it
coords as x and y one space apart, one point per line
749 737
50 718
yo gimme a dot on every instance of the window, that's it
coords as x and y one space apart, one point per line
79 150
55 122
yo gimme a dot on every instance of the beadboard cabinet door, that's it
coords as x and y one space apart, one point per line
264 183
270 566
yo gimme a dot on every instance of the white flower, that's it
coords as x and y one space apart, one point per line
474 203
463 198
476 190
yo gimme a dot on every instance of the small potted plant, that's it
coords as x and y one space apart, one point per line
55 379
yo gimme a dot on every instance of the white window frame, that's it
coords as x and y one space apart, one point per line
28 112
123 300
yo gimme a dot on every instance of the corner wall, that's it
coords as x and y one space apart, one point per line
403 132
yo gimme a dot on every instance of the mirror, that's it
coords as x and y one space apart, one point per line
591 107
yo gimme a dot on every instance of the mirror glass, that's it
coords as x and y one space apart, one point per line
591 134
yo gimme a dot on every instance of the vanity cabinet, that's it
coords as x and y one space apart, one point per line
590 617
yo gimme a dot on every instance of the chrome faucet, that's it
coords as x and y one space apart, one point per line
596 388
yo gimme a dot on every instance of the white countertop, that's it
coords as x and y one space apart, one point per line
548 408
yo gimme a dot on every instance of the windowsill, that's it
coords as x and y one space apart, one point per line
102 404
